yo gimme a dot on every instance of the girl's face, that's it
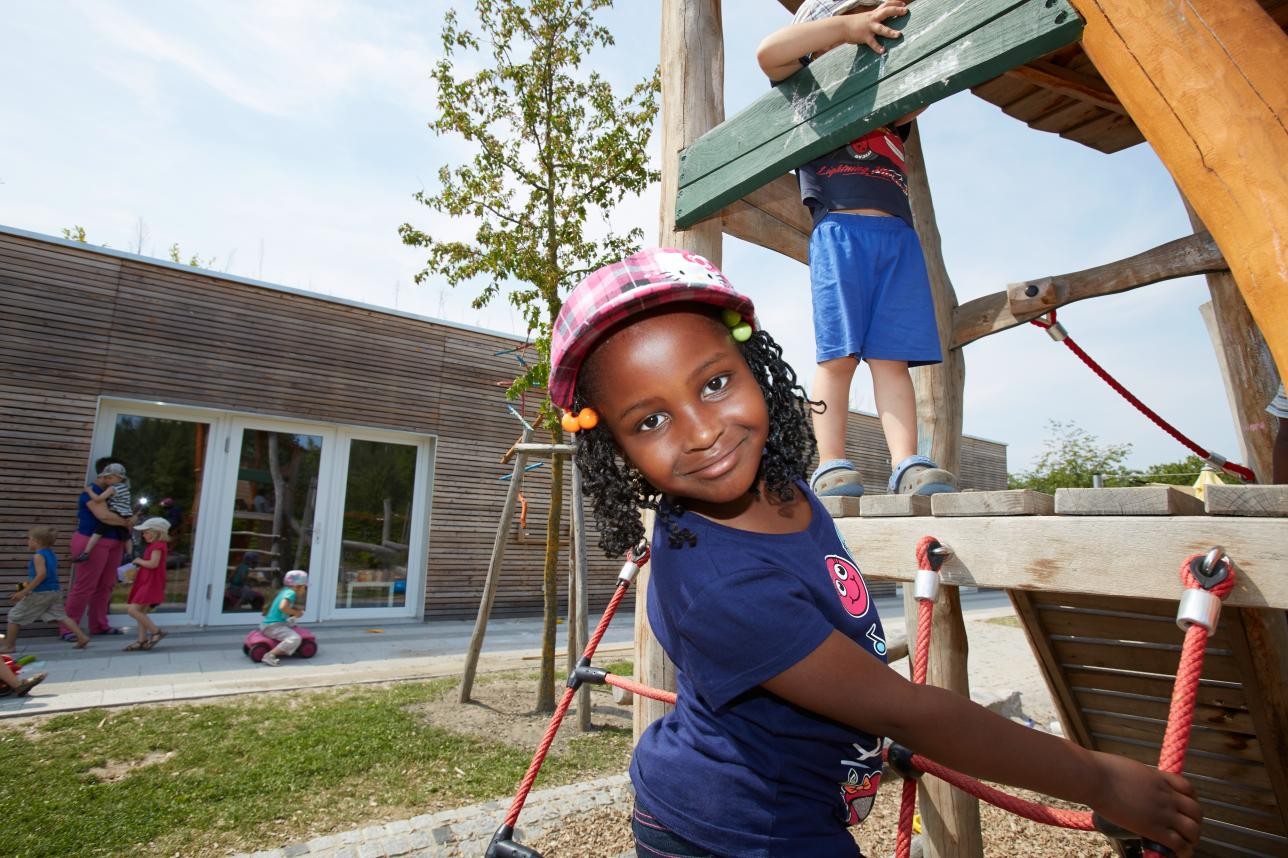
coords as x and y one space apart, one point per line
683 406
149 536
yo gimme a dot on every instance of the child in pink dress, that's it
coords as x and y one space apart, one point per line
148 590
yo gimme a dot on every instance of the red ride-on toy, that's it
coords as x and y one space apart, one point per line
257 644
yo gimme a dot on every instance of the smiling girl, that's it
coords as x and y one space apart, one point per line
774 746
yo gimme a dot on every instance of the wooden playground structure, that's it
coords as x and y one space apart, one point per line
1092 573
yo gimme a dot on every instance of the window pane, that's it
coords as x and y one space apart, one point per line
273 510
377 525
165 460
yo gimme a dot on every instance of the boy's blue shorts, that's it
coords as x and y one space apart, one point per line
871 291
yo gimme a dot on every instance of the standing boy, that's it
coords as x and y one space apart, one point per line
871 293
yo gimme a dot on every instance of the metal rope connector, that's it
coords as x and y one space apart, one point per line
926 585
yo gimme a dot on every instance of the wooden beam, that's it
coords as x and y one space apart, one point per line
1078 554
1204 82
1247 368
1059 79
692 104
947 46
772 217
951 817
791 5
1194 254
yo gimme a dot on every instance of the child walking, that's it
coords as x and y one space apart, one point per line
281 616
41 597
148 590
116 497
774 745
871 293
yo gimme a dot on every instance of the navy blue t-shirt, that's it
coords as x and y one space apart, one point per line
734 768
869 173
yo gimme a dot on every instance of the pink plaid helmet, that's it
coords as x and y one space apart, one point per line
641 281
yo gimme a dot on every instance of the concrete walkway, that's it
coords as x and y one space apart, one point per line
190 664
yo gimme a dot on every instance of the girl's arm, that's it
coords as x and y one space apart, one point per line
842 681
150 559
780 52
286 606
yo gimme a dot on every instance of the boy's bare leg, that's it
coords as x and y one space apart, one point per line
10 638
896 405
832 385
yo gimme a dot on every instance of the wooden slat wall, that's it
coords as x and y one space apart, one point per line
983 463
79 324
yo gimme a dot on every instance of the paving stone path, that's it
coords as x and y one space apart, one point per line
463 832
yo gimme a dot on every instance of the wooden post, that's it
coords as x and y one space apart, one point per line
692 104
1247 367
1204 82
493 572
579 598
950 817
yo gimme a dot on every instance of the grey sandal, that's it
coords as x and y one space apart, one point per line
918 475
837 478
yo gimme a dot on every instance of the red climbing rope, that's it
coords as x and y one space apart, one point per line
927 586
1208 580
1058 333
525 786
640 689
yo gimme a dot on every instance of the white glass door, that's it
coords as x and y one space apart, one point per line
382 513
273 477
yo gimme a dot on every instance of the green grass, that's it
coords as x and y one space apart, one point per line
255 772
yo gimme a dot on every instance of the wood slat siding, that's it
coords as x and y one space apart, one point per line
81 324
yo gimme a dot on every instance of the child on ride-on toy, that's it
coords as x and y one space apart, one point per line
281 615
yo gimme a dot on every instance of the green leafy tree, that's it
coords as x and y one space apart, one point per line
553 147
1182 473
1070 457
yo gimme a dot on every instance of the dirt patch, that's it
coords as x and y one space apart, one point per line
502 708
607 832
115 771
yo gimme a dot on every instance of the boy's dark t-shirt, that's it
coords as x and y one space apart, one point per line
733 767
868 173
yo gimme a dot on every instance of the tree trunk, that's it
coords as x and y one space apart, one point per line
692 104
550 583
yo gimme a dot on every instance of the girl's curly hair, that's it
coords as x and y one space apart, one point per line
618 491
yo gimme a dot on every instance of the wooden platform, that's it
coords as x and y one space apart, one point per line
1096 591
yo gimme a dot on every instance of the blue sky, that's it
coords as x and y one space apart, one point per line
286 139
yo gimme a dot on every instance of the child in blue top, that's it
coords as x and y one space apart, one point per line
281 615
870 290
774 745
41 597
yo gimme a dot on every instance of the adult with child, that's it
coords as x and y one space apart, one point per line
871 293
115 497
774 745
147 592
94 578
40 599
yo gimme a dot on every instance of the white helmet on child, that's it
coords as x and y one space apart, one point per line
296 578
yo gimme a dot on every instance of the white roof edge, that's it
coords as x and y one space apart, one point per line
249 281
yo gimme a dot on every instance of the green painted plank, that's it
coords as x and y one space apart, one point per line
947 46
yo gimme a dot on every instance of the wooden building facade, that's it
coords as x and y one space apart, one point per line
285 430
